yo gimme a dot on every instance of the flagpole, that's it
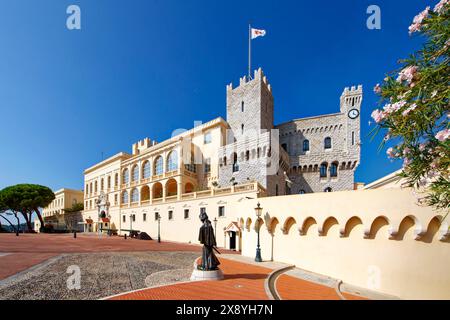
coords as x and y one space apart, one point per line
249 51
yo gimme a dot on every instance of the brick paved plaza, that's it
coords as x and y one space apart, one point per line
33 266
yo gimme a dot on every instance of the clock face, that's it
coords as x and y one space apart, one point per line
353 114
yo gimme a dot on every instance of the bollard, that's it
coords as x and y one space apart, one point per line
125 236
75 234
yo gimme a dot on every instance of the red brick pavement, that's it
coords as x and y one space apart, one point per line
291 288
28 250
242 282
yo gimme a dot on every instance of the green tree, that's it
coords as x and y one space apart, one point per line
26 199
416 111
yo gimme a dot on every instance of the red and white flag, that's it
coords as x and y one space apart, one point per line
258 33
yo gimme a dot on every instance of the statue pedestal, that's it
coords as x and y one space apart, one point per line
200 275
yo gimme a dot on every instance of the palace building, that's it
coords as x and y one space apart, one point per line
300 177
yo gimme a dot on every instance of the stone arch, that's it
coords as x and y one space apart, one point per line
272 225
378 223
171 187
327 225
306 225
248 224
145 193
350 225
188 187
288 224
409 222
157 190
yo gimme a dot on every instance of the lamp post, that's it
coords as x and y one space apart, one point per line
215 227
159 228
131 224
258 211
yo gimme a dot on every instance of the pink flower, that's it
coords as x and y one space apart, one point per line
391 108
417 22
406 162
378 115
422 147
407 74
439 8
390 152
406 151
443 135
411 108
377 88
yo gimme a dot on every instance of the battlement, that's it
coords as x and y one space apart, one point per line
258 76
142 145
353 90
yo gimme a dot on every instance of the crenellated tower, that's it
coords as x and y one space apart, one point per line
250 105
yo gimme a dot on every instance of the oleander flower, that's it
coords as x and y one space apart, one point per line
378 115
390 152
439 8
418 20
443 135
407 111
407 74
377 88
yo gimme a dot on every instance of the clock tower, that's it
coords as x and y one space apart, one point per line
351 100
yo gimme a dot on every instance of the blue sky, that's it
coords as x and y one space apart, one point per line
143 68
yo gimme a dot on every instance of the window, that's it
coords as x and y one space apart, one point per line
156 216
109 182
133 217
333 170
146 170
191 166
170 215
95 186
305 145
124 218
235 163
353 138
125 197
87 188
242 129
158 166
323 170
125 176
135 195
221 211
115 199
247 155
327 143
172 161
328 190
135 173
242 106
116 180
186 213
207 138
208 165
102 184
144 217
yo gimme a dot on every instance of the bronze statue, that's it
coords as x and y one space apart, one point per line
207 238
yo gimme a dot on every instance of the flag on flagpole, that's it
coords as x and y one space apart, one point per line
258 33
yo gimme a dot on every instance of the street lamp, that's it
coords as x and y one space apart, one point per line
215 227
159 227
258 211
